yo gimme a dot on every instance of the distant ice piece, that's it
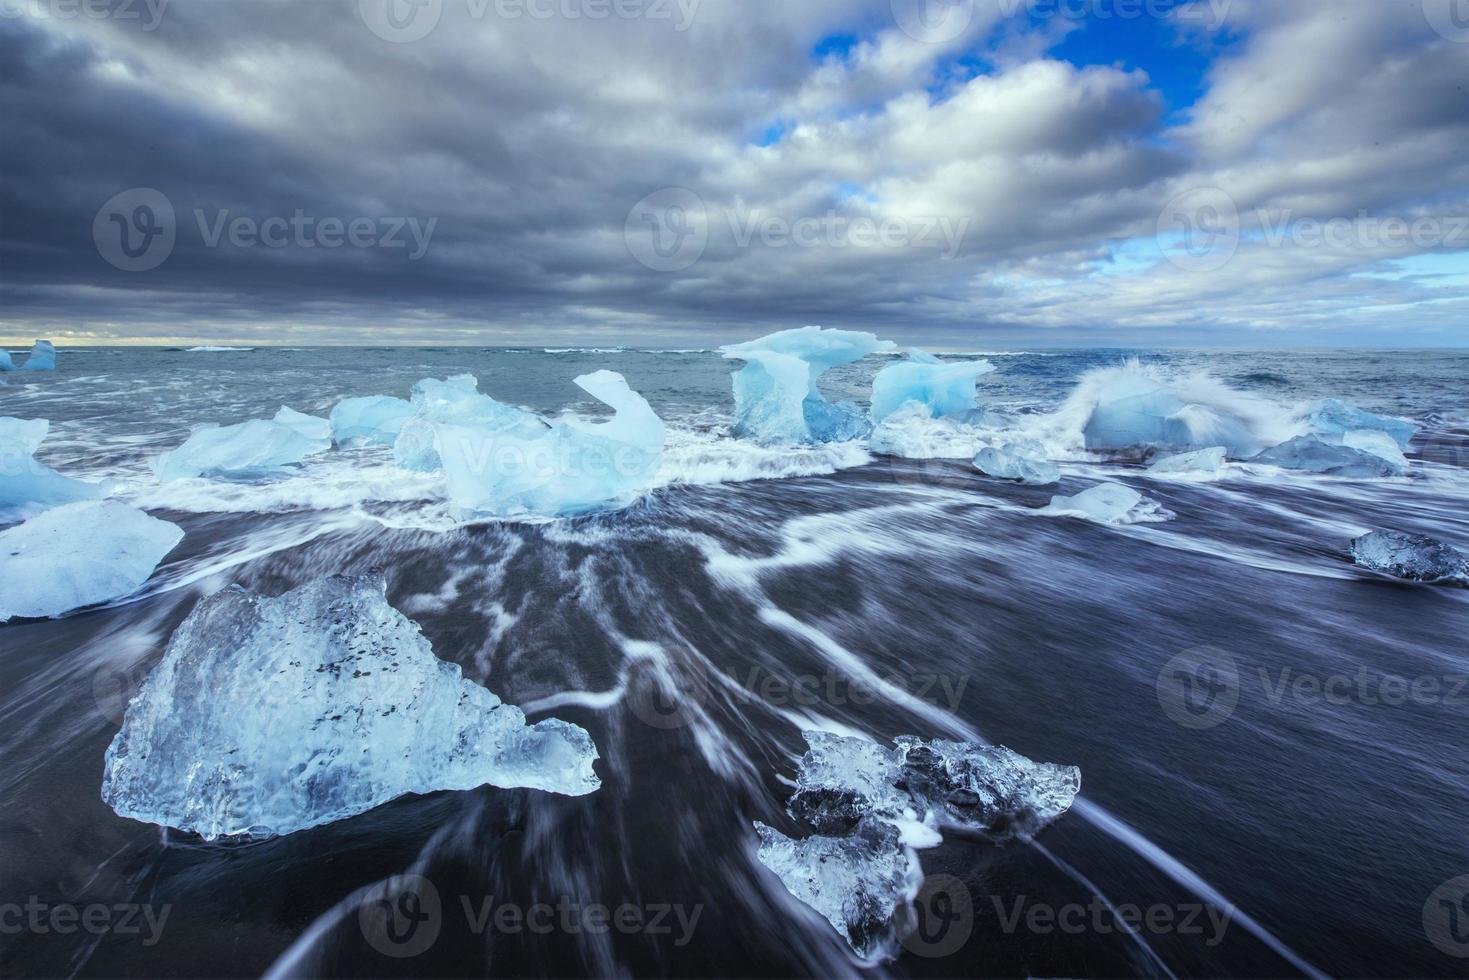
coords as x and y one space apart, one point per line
78 555
1024 461
519 465
374 420
42 358
872 804
458 402
1336 417
272 715
944 388
245 450
6 364
1108 503
27 486
776 397
913 433
1199 464
1411 556
1133 409
1311 455
856 882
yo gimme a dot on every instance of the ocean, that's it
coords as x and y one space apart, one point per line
1311 825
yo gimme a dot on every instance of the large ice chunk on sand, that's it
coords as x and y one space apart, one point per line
455 401
568 467
872 804
1312 455
78 555
1336 417
42 357
268 716
374 420
26 485
1411 556
241 451
776 397
944 388
1108 503
856 882
1024 461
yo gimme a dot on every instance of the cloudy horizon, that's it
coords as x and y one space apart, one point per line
956 173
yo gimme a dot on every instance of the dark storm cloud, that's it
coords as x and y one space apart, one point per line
333 182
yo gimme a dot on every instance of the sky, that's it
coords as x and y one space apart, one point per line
688 172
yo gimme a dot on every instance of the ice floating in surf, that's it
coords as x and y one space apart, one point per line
78 555
1108 503
455 402
6 364
1312 455
913 433
1411 556
272 715
943 388
1024 461
253 448
1334 417
42 357
871 805
1199 464
776 397
26 485
518 464
1129 407
374 420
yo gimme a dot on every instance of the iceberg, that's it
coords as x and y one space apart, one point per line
78 555
1411 556
43 357
241 451
371 421
776 397
872 805
1334 417
1108 503
6 364
521 465
271 715
945 389
1201 463
456 401
913 433
855 882
25 484
1312 455
1130 408
1024 461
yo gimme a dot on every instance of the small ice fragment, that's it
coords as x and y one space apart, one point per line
240 451
272 715
42 358
855 882
1311 455
1024 461
308 426
78 555
776 397
1199 464
371 421
943 388
26 485
1108 503
6 364
1336 417
913 433
1411 556
525 466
